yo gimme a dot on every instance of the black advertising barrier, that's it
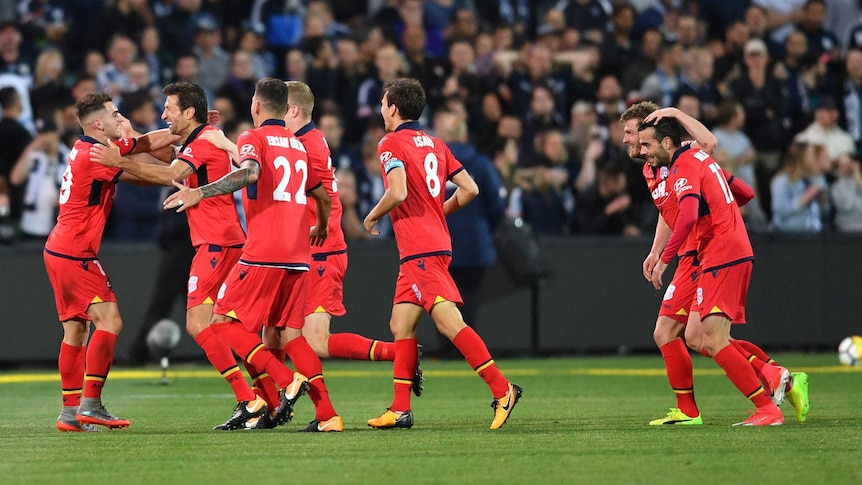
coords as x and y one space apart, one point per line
804 294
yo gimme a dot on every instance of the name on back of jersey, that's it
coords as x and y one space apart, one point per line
423 141
284 141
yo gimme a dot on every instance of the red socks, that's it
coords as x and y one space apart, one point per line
221 357
308 364
404 368
71 365
677 361
742 375
248 345
357 347
100 355
476 354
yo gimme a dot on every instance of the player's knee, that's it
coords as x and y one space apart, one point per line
318 343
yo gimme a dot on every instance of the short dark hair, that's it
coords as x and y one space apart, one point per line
136 100
189 95
407 95
8 95
665 127
91 103
272 94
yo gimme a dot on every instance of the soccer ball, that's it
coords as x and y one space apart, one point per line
849 350
163 337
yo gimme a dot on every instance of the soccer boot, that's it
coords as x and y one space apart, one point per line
66 421
242 413
100 416
287 397
333 424
503 407
264 421
798 395
418 376
775 382
391 419
767 416
677 417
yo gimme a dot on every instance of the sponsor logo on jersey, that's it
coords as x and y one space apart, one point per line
247 150
385 156
193 283
187 151
660 190
681 185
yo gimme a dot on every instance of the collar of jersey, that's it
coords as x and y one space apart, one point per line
90 139
409 125
677 153
194 134
305 129
273 122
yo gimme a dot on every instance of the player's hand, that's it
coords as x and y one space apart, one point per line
657 272
318 236
658 114
108 155
217 138
183 198
370 224
649 263
213 116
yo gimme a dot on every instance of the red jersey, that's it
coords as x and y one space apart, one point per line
214 220
86 198
278 234
722 237
418 222
667 203
320 160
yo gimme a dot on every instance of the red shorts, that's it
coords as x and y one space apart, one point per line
326 285
425 282
210 268
723 291
678 299
77 284
260 296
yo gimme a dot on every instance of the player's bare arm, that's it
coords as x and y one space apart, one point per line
467 191
703 138
159 174
323 209
155 140
218 139
662 234
395 193
187 197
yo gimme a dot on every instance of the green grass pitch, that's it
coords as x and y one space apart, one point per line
581 420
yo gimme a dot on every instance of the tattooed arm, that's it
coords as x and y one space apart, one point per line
186 197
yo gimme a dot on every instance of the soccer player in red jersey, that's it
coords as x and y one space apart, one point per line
82 290
266 288
416 167
215 229
678 314
707 207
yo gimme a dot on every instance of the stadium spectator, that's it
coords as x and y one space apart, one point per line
49 90
240 82
825 127
845 193
14 138
214 63
113 77
661 85
799 189
41 167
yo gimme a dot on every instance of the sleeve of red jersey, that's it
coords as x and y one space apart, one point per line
248 145
112 174
453 165
685 221
313 179
126 145
390 157
195 154
741 191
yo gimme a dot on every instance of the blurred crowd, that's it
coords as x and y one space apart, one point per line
540 85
